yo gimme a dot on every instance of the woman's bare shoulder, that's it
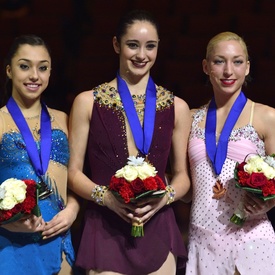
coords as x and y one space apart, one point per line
264 112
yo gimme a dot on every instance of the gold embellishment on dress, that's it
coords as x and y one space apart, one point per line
109 96
218 190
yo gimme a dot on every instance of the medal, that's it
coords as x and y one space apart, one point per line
44 190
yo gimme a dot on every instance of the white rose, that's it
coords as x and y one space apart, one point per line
254 164
146 170
15 192
19 191
128 172
270 161
8 203
16 188
11 181
2 192
269 172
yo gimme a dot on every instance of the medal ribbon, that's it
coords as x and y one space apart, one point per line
142 136
40 161
217 152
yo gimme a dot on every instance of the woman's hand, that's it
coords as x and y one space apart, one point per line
27 224
124 210
256 206
60 223
146 208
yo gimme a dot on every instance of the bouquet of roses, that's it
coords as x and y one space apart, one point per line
18 197
257 175
138 179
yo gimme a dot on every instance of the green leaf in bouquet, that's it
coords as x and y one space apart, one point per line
159 193
256 191
36 210
151 194
14 218
249 189
268 197
236 172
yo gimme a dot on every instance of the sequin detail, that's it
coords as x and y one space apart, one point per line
13 148
109 96
246 132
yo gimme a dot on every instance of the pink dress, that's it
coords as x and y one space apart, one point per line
217 246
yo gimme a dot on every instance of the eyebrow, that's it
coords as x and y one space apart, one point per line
27 60
137 41
236 56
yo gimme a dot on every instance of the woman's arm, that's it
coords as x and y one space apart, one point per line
264 123
180 182
79 124
179 157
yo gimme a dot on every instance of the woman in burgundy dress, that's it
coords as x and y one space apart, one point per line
103 128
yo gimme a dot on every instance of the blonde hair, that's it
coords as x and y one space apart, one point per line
225 36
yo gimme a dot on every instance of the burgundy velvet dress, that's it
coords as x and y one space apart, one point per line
106 242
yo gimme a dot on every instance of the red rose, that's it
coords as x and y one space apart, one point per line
160 183
243 178
257 180
240 167
17 208
137 186
28 204
31 189
126 193
5 215
150 183
117 183
269 188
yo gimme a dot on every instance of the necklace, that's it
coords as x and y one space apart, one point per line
139 103
34 125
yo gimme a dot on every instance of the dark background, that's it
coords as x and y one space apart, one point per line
80 32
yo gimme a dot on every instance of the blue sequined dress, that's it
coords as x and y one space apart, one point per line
27 253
